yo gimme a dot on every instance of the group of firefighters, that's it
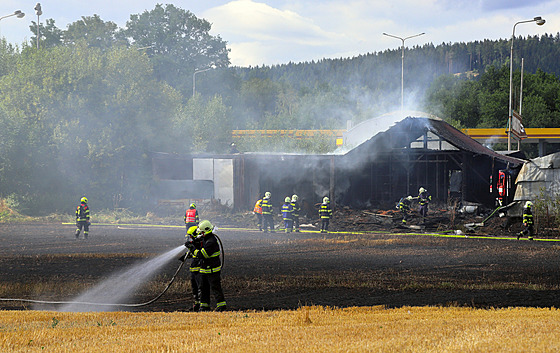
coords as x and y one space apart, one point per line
290 212
205 249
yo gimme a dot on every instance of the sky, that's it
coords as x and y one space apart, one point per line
271 32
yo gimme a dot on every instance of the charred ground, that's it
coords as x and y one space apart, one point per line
381 265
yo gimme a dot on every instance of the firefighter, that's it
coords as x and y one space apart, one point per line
287 212
210 267
295 214
267 209
527 221
257 210
404 206
325 213
191 217
424 199
82 218
196 241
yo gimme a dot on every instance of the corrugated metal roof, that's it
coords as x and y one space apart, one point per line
410 129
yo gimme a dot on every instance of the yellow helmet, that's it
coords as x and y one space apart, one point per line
528 204
193 205
83 199
192 230
325 199
205 227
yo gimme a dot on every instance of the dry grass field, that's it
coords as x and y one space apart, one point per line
307 329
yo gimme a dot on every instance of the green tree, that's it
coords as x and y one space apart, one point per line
50 34
93 30
179 43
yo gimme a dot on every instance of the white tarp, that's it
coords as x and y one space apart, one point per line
538 176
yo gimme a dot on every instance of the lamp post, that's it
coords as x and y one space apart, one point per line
16 13
539 21
39 12
194 79
402 63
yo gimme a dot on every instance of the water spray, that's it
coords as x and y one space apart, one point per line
116 281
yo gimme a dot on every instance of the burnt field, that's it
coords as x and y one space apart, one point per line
284 271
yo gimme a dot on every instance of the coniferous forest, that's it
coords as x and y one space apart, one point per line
81 113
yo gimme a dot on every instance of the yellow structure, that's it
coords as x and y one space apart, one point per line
534 135
298 134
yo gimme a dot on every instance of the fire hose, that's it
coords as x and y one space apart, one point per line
182 260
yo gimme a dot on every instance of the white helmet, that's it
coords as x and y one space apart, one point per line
421 190
528 204
267 194
409 197
294 198
325 199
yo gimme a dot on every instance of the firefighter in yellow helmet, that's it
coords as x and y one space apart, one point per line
267 210
325 213
194 242
287 211
191 216
210 267
297 209
527 221
82 218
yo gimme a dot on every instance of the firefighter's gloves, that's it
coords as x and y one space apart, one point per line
189 245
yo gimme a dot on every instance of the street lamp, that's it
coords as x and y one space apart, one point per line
539 21
16 13
194 79
39 12
402 63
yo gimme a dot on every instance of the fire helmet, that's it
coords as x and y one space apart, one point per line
192 230
287 199
421 190
409 197
294 198
325 199
267 194
193 205
205 227
83 199
528 204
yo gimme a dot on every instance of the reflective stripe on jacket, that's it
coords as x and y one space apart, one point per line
528 217
266 206
82 213
209 254
258 208
191 216
296 208
325 211
287 210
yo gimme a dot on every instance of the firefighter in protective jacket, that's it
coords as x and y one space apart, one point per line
267 210
191 217
325 213
287 211
295 214
257 210
210 267
404 206
196 240
82 218
527 221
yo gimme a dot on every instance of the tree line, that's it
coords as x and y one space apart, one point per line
81 114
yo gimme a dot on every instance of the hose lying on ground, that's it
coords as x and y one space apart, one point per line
110 304
99 304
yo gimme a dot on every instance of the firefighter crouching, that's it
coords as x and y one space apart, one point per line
527 221
195 242
210 267
404 206
82 218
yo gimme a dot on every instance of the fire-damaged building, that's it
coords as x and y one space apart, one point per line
382 160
